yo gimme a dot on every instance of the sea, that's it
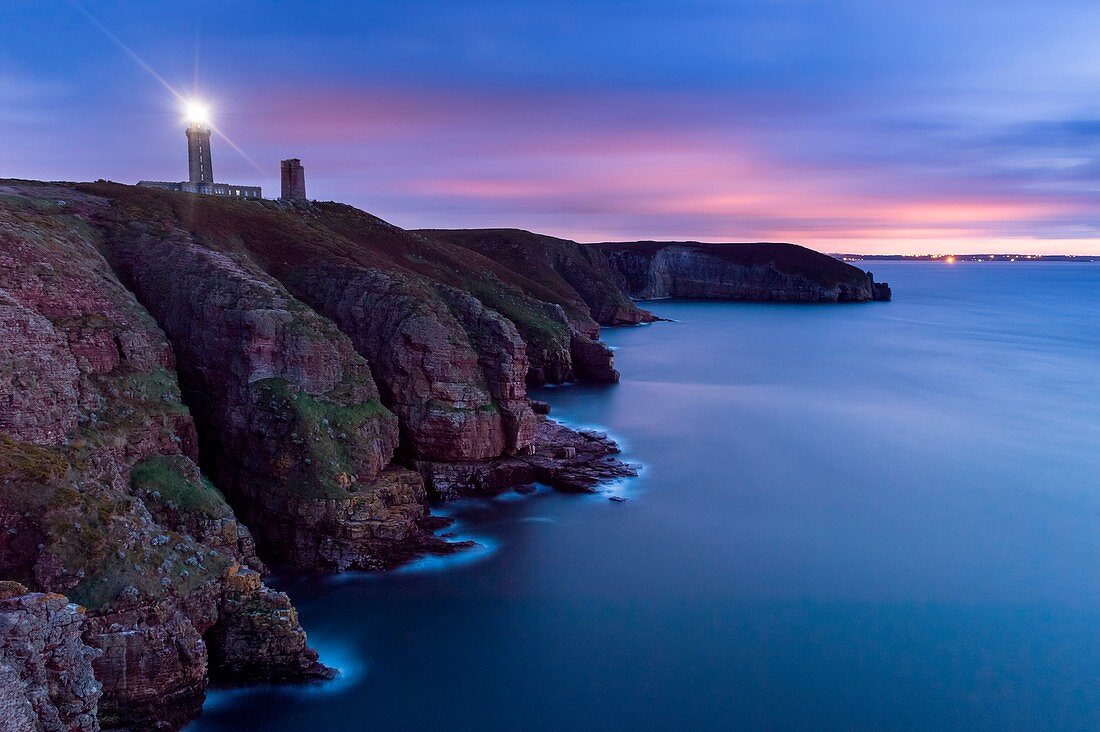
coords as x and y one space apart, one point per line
872 516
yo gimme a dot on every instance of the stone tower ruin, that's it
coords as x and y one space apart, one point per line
294 180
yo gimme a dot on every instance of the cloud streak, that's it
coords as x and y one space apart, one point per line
867 126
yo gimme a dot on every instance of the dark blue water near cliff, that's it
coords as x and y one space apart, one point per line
879 516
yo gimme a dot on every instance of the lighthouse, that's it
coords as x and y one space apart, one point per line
200 164
198 154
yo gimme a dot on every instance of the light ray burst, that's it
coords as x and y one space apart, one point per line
179 96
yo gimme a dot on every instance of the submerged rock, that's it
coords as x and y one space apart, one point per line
571 461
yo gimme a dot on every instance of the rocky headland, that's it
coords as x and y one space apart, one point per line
757 272
193 387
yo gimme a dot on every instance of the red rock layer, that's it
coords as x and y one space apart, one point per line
290 416
46 679
90 404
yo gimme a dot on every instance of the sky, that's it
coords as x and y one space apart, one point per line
881 126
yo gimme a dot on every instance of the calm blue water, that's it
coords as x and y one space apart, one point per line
879 516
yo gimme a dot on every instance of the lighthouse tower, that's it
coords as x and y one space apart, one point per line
200 168
198 154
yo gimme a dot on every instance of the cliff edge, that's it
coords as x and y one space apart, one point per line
193 387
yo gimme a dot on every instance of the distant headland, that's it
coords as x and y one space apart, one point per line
953 258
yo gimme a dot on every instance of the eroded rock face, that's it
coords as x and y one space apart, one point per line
46 678
152 658
502 358
258 636
762 272
580 290
99 493
428 372
593 359
293 427
38 373
372 529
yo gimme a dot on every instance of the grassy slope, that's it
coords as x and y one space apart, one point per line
578 280
331 234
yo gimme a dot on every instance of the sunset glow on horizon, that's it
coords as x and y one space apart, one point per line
815 122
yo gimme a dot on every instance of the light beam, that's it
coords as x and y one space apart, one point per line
171 90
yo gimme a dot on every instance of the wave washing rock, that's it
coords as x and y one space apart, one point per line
760 272
46 678
569 460
99 493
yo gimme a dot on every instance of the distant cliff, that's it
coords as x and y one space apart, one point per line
757 272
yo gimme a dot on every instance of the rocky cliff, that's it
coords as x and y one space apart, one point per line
759 272
570 276
180 374
100 496
576 277
46 677
450 337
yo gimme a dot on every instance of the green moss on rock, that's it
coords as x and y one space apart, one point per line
174 479
39 464
329 431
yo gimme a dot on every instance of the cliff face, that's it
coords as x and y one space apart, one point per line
574 276
451 338
291 423
568 275
98 488
46 678
430 372
544 320
180 374
760 272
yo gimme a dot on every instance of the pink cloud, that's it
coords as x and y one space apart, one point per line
632 166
